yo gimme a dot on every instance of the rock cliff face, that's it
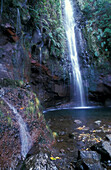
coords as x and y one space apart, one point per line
96 77
26 65
25 54
49 75
100 90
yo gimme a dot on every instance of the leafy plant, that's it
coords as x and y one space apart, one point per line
98 16
47 17
9 120
1 113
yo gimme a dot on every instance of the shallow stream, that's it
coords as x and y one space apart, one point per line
77 129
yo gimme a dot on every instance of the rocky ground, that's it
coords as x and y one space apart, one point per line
81 144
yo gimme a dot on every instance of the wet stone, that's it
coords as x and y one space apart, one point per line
33 151
98 122
39 161
108 137
88 160
62 151
60 140
72 135
16 135
86 128
107 147
77 122
103 148
62 133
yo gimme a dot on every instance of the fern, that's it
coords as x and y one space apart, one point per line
98 16
47 15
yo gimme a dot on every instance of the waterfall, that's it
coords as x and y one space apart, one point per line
40 55
70 32
64 75
26 141
18 28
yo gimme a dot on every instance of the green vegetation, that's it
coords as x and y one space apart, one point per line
47 17
1 113
43 14
9 120
31 109
11 83
98 25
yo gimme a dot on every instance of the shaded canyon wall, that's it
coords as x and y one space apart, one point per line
30 57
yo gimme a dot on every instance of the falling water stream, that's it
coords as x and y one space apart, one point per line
70 32
26 141
18 28
40 55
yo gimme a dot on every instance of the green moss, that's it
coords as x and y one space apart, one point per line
9 120
11 83
1 113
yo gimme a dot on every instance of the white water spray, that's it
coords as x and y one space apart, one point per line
40 55
26 141
18 28
70 32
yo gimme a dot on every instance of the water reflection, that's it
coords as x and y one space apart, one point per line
73 136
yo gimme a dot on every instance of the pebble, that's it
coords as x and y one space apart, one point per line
72 135
109 161
98 122
62 133
86 128
60 140
62 151
77 121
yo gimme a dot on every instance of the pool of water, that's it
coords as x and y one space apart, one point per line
73 135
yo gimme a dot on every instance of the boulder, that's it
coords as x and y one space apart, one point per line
88 160
108 137
107 147
39 161
104 149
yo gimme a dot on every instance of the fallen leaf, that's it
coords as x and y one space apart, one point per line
22 108
80 128
97 140
94 131
54 134
57 157
53 159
